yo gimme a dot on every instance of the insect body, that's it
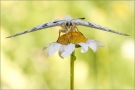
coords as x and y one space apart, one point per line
67 25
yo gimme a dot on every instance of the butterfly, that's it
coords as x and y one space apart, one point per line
67 25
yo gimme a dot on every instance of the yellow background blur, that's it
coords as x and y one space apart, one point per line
22 66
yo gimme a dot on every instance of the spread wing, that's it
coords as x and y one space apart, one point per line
39 27
92 25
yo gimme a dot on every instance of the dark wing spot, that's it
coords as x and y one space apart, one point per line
70 24
55 21
66 23
90 24
25 31
44 25
110 30
34 28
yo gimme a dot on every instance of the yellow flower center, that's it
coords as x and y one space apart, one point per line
71 37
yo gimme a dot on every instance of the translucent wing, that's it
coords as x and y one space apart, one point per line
39 27
92 25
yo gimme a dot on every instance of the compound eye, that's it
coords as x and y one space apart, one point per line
66 23
70 24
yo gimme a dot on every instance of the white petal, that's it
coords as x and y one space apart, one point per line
48 45
68 49
92 44
61 50
84 47
99 43
54 49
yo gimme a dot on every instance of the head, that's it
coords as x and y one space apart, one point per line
68 20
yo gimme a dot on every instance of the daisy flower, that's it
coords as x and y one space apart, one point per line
67 43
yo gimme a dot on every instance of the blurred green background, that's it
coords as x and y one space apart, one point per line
22 66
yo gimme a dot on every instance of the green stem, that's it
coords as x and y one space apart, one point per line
72 59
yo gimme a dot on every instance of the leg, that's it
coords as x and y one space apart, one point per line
61 30
78 30
64 31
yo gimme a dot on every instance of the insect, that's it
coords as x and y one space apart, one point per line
67 25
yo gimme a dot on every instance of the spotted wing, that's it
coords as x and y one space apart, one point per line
92 25
39 27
